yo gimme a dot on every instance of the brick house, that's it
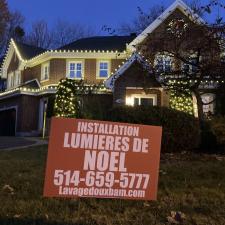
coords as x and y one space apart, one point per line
33 74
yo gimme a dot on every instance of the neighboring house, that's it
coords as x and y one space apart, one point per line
33 75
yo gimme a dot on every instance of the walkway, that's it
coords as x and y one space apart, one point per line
12 143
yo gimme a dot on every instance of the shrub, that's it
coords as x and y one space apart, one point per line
180 130
218 129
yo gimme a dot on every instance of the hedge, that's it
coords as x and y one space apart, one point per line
180 130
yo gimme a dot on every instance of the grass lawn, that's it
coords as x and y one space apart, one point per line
192 184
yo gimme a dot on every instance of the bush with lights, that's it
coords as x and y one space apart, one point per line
68 101
182 102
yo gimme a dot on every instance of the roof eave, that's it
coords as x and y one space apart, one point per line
178 4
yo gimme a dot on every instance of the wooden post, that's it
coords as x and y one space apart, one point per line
44 120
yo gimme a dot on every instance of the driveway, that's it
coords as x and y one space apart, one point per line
12 143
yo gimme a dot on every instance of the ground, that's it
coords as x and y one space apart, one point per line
191 184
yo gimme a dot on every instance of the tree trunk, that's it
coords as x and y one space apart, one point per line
200 108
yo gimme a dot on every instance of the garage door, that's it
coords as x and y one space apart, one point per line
7 122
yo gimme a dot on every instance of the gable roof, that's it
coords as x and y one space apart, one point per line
109 83
28 51
102 43
178 4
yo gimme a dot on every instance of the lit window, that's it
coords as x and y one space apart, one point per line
45 71
75 70
103 69
141 99
208 98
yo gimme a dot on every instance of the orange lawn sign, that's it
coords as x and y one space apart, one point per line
88 158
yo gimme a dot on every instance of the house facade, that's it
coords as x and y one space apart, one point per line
32 75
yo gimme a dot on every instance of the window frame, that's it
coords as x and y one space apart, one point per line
191 68
43 66
75 62
130 100
10 83
17 78
164 58
98 68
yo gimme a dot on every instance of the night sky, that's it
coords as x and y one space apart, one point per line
95 13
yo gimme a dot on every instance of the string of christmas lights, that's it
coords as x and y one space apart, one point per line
68 97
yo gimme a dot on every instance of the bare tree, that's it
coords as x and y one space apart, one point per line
145 18
195 50
142 20
15 26
40 35
65 32
4 18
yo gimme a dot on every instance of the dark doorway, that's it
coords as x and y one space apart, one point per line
7 122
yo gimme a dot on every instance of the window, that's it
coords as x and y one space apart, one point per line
14 79
10 80
103 69
208 98
17 78
190 68
45 72
163 64
75 70
141 99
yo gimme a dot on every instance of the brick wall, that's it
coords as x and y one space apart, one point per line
90 71
133 77
58 71
31 73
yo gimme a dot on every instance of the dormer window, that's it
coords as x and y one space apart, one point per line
75 70
14 79
10 80
17 78
163 64
103 69
45 71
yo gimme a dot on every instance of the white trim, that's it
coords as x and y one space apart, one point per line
68 61
79 55
43 66
130 98
7 60
109 83
98 68
178 4
52 54
35 79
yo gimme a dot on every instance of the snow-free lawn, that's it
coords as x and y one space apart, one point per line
192 184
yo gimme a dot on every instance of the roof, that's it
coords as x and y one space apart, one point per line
102 43
178 4
31 84
109 83
28 51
